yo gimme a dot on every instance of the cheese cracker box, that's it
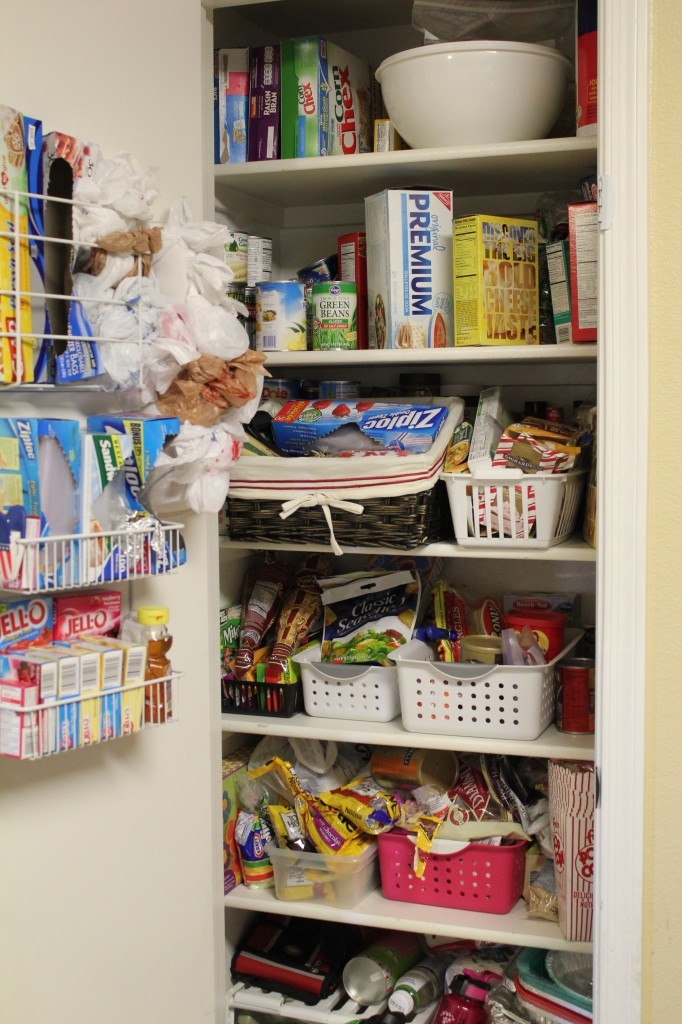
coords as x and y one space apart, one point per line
15 365
234 770
409 268
496 281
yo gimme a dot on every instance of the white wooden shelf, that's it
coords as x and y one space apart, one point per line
540 165
533 355
515 928
551 743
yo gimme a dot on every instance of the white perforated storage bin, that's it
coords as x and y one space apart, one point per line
368 693
508 508
468 699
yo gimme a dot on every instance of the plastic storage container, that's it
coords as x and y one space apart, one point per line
507 508
359 692
331 879
488 701
458 876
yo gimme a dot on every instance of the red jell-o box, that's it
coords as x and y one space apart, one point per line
94 614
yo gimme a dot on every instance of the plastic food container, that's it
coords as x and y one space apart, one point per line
324 878
459 876
487 701
362 692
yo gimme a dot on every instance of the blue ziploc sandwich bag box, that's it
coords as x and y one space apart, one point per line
324 427
20 508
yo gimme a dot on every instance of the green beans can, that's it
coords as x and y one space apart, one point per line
335 315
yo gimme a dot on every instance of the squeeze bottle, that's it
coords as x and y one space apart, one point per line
423 985
153 620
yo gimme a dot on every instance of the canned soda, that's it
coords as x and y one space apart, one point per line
575 695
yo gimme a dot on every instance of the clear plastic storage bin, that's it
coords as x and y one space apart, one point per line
333 879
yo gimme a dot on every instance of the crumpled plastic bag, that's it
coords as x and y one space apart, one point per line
192 253
120 192
216 329
319 765
206 387
193 470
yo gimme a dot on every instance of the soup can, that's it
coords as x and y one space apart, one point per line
339 389
575 695
258 260
280 316
334 315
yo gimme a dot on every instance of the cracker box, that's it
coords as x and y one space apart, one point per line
14 251
234 770
571 810
583 254
265 98
496 281
328 100
231 105
409 268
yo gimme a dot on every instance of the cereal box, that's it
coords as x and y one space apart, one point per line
231 106
409 268
571 810
15 365
265 96
328 99
583 253
496 281
234 769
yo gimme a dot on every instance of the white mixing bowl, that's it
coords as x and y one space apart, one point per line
478 91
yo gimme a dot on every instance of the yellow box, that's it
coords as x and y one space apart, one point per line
496 281
15 260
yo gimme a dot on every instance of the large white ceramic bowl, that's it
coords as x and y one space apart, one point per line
477 91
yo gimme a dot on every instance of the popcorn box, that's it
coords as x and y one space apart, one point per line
234 769
571 811
14 251
409 268
496 281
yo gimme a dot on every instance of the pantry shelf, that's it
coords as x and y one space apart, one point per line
533 355
539 165
515 927
551 743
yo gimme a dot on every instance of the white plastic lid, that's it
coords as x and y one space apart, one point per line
400 1001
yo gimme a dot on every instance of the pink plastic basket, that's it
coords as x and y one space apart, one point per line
474 877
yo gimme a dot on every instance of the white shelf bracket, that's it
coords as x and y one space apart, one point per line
605 201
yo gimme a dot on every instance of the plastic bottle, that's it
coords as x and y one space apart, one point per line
371 976
423 985
153 622
463 1004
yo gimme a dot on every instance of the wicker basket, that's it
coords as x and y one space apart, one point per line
404 521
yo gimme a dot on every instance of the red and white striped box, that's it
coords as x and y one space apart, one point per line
571 809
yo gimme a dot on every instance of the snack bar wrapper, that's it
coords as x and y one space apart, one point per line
571 807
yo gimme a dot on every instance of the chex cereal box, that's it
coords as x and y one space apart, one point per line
328 100
409 268
15 365
496 281
325 427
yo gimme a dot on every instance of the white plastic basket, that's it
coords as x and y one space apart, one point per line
466 699
362 692
508 508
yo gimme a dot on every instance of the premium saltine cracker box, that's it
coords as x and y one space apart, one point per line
409 268
496 281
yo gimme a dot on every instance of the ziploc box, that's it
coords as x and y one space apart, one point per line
234 771
409 268
148 436
20 511
496 281
265 98
104 455
14 251
325 427
66 162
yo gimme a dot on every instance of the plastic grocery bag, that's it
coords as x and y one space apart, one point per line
319 765
121 193
551 22
177 265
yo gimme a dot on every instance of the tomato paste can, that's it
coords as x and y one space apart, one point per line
334 315
575 695
258 260
280 316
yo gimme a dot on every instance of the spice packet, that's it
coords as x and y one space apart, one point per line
368 617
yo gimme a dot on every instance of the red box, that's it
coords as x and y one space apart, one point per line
94 614
572 797
583 252
352 251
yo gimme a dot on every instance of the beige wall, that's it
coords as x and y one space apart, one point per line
663 863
